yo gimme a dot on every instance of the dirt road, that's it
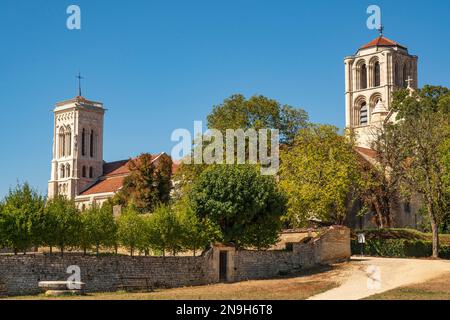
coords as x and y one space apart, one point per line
370 276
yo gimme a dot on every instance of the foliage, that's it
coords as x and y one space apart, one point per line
21 218
236 198
258 112
321 175
400 248
197 234
423 133
99 227
148 184
237 112
131 229
62 223
166 230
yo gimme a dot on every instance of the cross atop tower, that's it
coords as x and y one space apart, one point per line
409 81
381 29
79 77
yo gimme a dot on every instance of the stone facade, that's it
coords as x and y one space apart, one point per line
77 146
371 76
20 274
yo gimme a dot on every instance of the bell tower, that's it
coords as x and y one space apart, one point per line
371 76
77 146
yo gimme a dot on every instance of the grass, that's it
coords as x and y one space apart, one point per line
295 288
435 289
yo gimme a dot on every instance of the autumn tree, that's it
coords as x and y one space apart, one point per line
148 184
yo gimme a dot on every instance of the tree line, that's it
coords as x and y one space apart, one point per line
322 178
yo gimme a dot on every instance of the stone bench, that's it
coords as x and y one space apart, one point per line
61 288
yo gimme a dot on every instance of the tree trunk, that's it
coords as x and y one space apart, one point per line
98 249
435 230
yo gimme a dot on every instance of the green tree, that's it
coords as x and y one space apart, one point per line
131 229
235 198
148 184
99 227
196 234
63 217
423 131
166 230
321 175
21 218
258 112
237 112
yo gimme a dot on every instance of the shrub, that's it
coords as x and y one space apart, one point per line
399 248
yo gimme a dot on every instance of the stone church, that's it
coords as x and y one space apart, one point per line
371 76
378 68
78 169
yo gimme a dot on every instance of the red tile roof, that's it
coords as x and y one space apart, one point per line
367 152
113 175
111 184
382 42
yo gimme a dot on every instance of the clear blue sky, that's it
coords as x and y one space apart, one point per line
160 65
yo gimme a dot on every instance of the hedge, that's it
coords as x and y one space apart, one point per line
400 248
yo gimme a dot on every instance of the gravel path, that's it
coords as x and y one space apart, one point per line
369 276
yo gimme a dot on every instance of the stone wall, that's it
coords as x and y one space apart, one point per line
333 245
20 274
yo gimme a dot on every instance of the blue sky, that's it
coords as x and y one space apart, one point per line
160 65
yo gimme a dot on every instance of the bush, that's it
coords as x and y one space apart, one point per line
399 248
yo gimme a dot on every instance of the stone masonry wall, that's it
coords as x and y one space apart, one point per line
332 246
20 274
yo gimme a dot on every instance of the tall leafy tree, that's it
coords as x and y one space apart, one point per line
238 112
63 217
131 229
166 230
99 226
258 112
423 130
21 218
236 198
321 175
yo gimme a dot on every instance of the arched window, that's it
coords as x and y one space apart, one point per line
91 144
83 172
363 83
83 143
376 74
363 114
63 172
68 142
61 143
405 75
68 171
91 172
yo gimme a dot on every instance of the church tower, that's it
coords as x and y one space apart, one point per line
77 146
371 76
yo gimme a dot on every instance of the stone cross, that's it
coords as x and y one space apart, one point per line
409 81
